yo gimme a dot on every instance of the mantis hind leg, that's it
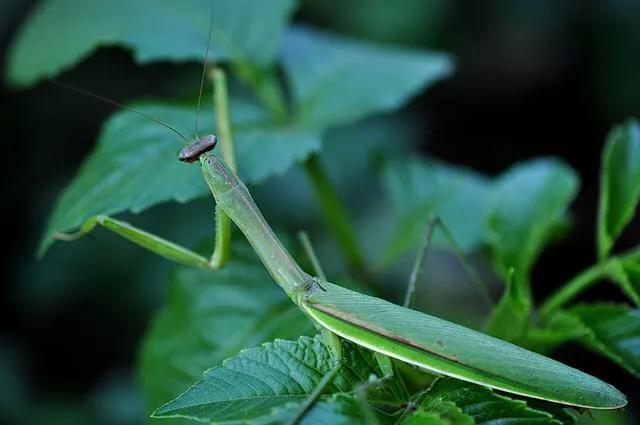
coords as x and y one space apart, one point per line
153 243
434 223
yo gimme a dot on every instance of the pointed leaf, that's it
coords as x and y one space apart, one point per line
620 183
336 80
453 350
209 317
530 199
162 30
418 188
257 380
134 165
627 275
614 332
509 320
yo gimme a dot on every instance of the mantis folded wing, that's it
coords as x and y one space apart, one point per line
407 335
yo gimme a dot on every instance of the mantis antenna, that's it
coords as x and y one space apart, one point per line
204 68
117 104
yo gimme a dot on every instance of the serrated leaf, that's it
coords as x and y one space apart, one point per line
134 165
336 81
463 403
339 409
158 30
418 188
613 332
530 199
258 380
627 275
209 317
509 320
620 183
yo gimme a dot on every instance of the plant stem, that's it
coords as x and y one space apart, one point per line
421 256
306 244
582 281
223 127
335 214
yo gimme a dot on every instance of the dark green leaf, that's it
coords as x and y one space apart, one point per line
158 30
339 409
335 80
509 320
627 275
257 380
418 188
134 164
463 403
613 332
620 183
558 329
529 201
212 316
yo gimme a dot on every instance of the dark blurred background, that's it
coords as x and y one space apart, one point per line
532 78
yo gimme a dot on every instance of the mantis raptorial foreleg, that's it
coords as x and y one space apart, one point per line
434 223
153 243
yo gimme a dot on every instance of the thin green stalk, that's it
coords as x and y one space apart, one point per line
335 214
471 272
582 281
421 256
306 244
225 140
322 386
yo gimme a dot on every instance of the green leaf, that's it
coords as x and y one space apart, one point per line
461 403
619 183
509 320
336 80
613 332
159 30
529 201
558 329
209 317
134 165
258 380
626 274
418 188
339 409
449 349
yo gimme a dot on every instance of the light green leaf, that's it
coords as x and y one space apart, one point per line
627 275
461 403
212 316
258 380
620 183
336 80
158 30
509 320
339 409
529 201
614 332
418 188
134 165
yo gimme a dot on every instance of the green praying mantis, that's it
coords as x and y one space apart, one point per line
394 331
399 332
